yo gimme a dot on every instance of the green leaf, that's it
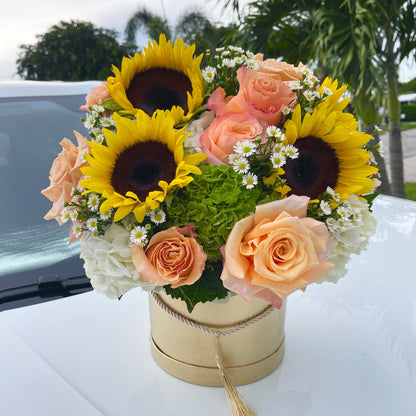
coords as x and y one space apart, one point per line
110 104
208 288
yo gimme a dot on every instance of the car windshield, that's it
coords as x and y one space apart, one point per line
30 247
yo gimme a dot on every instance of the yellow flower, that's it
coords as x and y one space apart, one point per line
330 150
163 77
141 162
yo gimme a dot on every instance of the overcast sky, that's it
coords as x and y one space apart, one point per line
22 20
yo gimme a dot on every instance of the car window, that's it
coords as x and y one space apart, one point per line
30 247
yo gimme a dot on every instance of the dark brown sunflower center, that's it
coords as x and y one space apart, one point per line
159 89
140 168
316 168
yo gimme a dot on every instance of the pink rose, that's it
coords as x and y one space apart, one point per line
172 257
96 96
260 94
224 132
65 175
280 70
276 251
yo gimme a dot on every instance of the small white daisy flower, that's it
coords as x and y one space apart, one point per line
250 180
252 64
357 216
278 160
343 224
91 224
291 151
89 122
219 49
238 60
241 165
226 62
278 148
93 202
309 95
309 110
273 131
325 207
286 110
65 215
232 159
332 225
295 86
327 91
158 216
73 215
226 53
99 138
76 229
342 212
138 235
306 71
209 73
249 54
106 214
107 122
245 148
307 82
84 156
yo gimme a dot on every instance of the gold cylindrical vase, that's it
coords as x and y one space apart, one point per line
251 340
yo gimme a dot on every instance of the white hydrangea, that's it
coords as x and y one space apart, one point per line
352 239
108 262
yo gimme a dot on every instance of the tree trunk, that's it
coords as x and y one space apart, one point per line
384 188
395 139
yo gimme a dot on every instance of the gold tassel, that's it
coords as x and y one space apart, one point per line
237 403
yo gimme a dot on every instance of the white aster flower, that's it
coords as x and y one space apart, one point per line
209 73
307 82
278 148
73 215
278 159
238 60
241 165
250 180
106 214
107 122
325 207
158 216
232 159
249 54
343 211
89 122
91 224
332 225
76 228
227 62
99 138
93 201
343 224
306 71
327 91
273 131
245 148
138 235
65 215
356 216
252 64
295 85
291 151
309 95
286 110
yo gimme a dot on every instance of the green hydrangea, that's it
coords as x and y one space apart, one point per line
213 202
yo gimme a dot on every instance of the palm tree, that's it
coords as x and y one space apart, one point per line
362 41
192 27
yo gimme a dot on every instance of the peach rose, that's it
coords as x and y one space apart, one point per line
276 251
260 95
224 132
96 96
172 257
65 175
280 70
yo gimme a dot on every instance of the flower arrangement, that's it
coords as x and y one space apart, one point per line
244 177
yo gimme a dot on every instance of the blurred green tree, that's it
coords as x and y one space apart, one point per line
71 51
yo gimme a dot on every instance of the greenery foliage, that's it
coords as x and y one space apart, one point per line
407 87
409 110
71 51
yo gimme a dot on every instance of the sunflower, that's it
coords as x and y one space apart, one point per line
141 162
330 151
164 77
